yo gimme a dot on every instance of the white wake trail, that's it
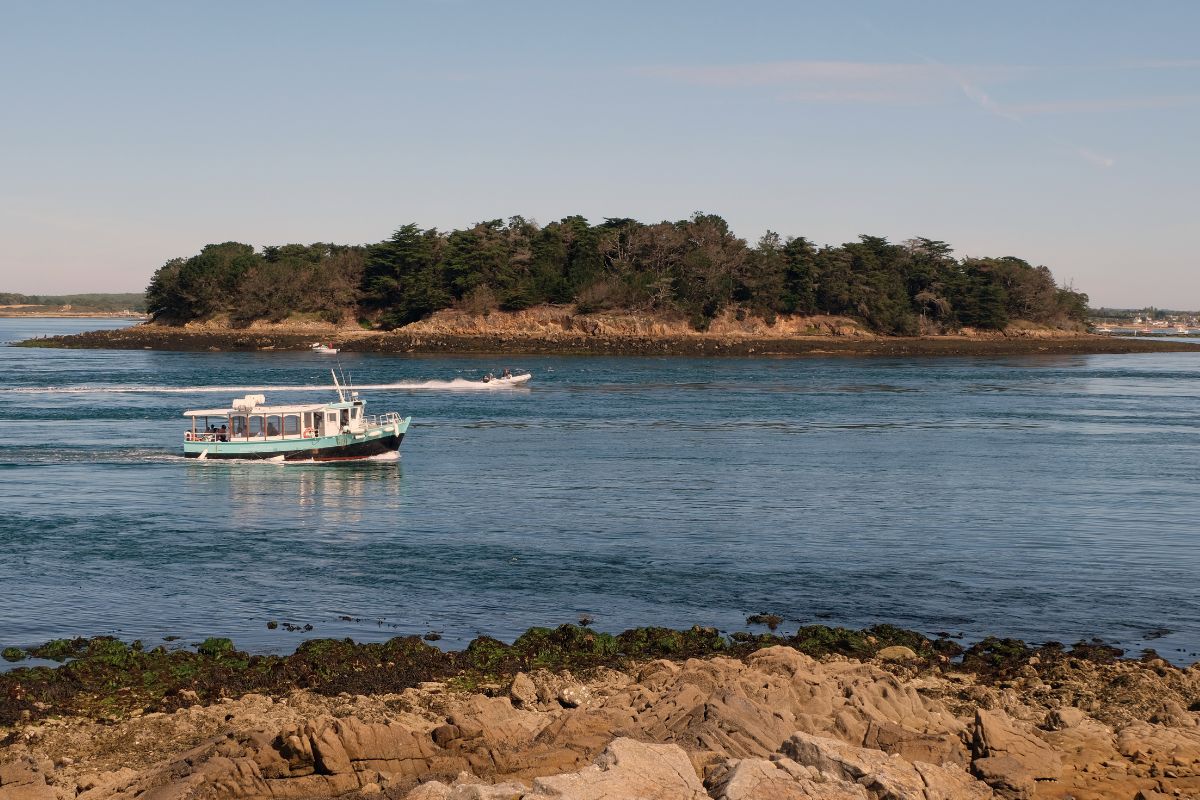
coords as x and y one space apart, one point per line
455 385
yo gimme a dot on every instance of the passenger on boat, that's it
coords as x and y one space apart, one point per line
507 373
222 434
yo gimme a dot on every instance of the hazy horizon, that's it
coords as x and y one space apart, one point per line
1062 134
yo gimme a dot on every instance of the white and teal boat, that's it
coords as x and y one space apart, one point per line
250 429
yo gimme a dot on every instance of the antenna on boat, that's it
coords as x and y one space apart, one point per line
337 386
347 380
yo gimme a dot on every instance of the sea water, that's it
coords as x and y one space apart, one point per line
1038 497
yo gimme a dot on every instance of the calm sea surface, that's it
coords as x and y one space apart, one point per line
1045 498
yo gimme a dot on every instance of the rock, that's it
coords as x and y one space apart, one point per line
575 696
759 779
1174 715
885 777
1062 718
879 733
996 734
897 652
105 784
468 790
432 790
1006 775
522 692
748 709
628 769
23 779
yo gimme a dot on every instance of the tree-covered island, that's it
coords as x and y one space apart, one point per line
693 270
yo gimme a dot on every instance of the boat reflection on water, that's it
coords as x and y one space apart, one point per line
307 496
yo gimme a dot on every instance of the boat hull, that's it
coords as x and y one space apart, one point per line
343 447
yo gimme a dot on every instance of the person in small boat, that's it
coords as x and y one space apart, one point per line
507 373
489 378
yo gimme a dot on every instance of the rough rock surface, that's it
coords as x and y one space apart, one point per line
885 777
775 724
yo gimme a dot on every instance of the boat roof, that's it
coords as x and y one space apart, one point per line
222 412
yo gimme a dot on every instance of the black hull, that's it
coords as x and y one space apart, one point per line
349 452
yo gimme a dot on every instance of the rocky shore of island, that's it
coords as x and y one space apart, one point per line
563 331
823 713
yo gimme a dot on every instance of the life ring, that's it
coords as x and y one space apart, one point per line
187 436
310 433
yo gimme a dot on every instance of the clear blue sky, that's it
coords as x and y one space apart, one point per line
1062 132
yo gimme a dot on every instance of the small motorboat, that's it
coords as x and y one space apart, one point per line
321 347
507 380
332 431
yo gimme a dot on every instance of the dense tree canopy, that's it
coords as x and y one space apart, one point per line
695 267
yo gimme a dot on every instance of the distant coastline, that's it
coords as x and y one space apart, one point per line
6 313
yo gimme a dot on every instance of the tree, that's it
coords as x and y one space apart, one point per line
759 284
402 277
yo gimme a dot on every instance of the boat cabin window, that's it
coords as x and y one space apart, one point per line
291 425
238 426
256 426
345 416
273 425
332 416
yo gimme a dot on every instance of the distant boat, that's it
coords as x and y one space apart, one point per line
508 380
319 347
335 431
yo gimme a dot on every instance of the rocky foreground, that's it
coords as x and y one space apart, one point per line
759 720
561 330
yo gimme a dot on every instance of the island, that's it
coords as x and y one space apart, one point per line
622 286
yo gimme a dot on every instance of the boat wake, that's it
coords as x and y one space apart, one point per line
455 385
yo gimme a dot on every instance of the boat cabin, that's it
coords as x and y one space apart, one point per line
250 420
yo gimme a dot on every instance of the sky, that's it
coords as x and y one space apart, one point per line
1065 133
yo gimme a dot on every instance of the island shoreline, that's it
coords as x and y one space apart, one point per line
156 337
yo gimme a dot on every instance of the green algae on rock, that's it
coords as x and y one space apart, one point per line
104 677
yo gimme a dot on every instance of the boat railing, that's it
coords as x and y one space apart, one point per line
222 436
382 420
203 436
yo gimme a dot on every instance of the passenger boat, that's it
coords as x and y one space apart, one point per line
336 431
